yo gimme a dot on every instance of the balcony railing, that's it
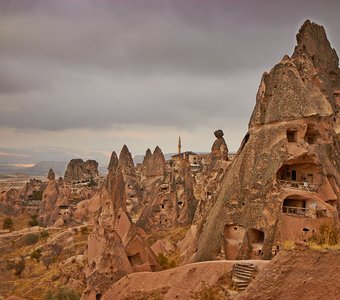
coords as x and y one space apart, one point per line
301 211
310 187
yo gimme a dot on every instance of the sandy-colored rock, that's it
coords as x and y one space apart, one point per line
132 181
171 200
219 149
51 175
155 165
48 211
177 283
163 246
126 162
107 261
275 187
78 170
300 271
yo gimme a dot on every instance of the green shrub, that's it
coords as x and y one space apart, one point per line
34 221
18 265
288 245
92 183
165 262
36 254
328 234
84 230
48 260
8 224
63 293
37 195
44 234
31 238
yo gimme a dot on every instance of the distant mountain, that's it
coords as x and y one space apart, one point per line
48 154
39 169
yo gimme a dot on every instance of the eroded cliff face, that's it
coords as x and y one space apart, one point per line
132 181
284 181
78 170
168 194
115 246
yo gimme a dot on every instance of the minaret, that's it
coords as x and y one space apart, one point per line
179 145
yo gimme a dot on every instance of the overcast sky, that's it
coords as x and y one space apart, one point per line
96 74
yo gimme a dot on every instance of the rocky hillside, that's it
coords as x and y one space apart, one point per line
308 275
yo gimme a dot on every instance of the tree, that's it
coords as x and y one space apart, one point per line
44 234
84 230
34 221
48 260
7 224
92 183
31 239
36 254
18 265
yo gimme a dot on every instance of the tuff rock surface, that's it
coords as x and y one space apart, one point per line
288 163
78 170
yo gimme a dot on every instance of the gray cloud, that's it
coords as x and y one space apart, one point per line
99 63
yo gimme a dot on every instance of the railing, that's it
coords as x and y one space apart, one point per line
301 211
310 187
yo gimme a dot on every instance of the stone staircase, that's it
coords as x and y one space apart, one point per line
242 275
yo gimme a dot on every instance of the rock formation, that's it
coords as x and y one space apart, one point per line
78 170
219 149
48 211
9 202
132 181
284 181
51 175
126 162
155 165
115 247
169 199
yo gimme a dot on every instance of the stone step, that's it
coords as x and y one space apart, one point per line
241 278
243 272
245 267
242 284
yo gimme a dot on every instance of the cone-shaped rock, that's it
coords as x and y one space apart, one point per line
126 162
284 182
51 175
156 164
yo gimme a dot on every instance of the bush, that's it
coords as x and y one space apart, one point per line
31 239
84 230
18 265
37 195
288 245
44 234
92 183
165 262
328 236
36 254
48 260
63 293
34 221
7 224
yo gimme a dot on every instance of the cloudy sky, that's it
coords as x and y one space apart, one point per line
95 74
